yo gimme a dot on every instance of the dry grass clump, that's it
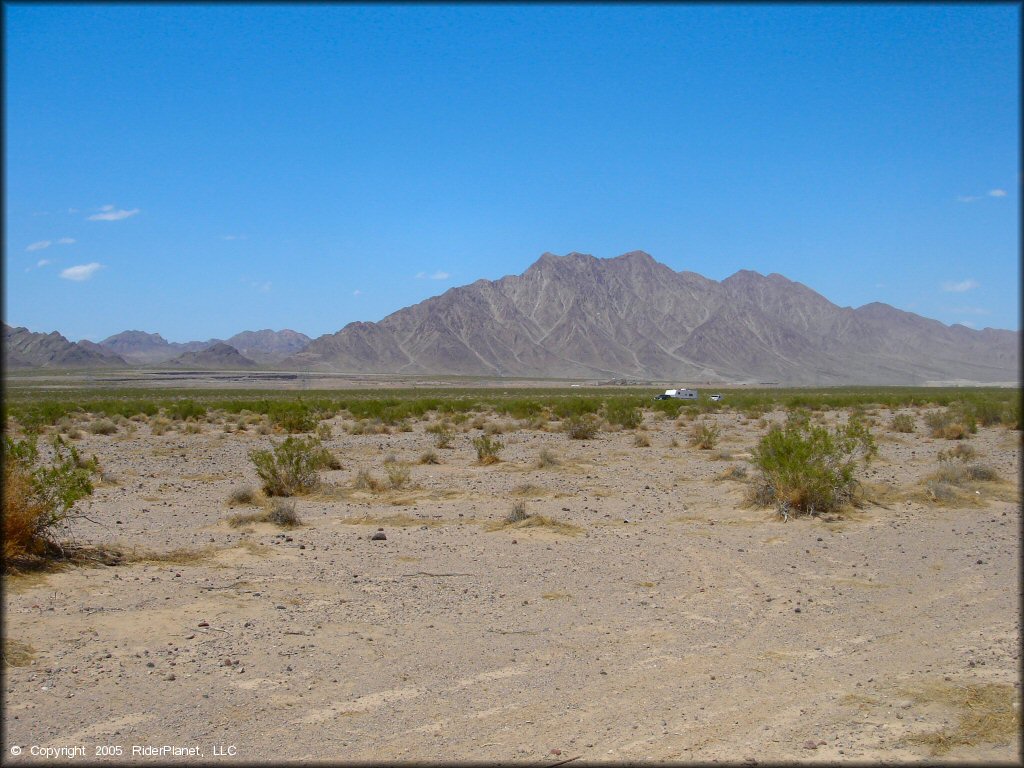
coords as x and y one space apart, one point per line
734 472
487 449
961 474
245 494
950 424
429 456
281 512
368 427
704 435
194 427
17 653
641 440
961 451
537 521
399 474
323 431
443 432
159 425
365 481
102 427
902 422
517 513
985 715
547 458
528 489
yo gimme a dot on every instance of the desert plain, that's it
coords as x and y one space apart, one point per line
644 611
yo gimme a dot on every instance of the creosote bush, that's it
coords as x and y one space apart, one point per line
518 512
902 422
704 435
547 458
581 427
290 467
808 469
398 474
38 496
443 434
487 449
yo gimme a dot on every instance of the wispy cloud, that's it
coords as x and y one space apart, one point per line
357 292
961 287
967 198
969 324
997 193
66 241
263 287
439 275
43 262
72 210
972 311
80 272
110 213
233 237
42 244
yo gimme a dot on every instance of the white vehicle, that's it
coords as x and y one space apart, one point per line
679 394
715 398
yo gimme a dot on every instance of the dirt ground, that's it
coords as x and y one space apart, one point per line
666 620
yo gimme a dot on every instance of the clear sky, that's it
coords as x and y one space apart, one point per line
200 170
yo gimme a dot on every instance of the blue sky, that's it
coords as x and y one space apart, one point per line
205 169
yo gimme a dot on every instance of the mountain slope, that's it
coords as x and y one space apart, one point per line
630 316
26 349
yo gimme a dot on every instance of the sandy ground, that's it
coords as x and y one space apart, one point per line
674 623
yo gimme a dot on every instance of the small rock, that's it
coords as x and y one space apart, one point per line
170 677
204 623
555 752
810 744
514 541
378 536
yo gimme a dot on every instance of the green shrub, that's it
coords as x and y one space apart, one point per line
623 413
582 427
102 427
487 449
808 469
443 434
38 496
291 466
185 409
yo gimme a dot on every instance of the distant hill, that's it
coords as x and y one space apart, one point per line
264 346
217 356
25 349
268 346
630 316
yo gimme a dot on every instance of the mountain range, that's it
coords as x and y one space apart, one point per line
577 316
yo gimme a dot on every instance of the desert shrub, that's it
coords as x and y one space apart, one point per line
902 422
704 435
576 406
520 408
518 512
582 427
443 434
958 473
292 417
38 496
495 428
195 428
323 431
290 467
808 469
102 427
624 413
487 449
159 425
365 481
641 440
952 423
181 410
547 458
398 474
429 456
283 513
961 451
243 495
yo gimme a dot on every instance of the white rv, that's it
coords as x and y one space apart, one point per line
679 394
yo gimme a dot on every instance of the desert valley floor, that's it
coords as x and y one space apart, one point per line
652 616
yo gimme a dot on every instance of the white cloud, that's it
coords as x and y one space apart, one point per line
261 287
439 275
963 285
972 311
39 246
997 193
357 292
109 213
80 272
72 210
234 237
66 241
967 198
43 262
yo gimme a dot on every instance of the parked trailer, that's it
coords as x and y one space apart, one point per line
678 394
